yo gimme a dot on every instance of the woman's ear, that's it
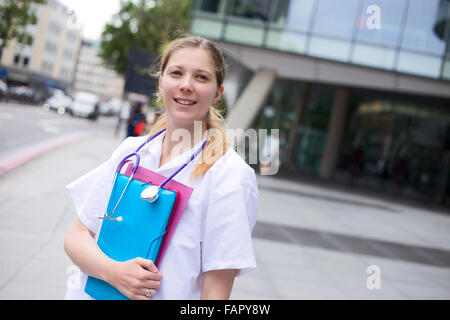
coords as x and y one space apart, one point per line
218 95
160 83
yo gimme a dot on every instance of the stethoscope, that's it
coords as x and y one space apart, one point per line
150 193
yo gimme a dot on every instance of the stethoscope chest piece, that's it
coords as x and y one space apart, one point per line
150 194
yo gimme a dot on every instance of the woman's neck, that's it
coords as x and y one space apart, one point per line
181 138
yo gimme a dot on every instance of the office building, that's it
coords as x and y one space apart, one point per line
94 76
359 89
50 60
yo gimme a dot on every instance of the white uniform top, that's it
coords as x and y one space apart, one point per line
214 231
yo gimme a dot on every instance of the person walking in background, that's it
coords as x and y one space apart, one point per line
137 120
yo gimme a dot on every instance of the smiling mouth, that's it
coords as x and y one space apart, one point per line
185 102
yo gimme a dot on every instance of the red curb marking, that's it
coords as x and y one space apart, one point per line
29 153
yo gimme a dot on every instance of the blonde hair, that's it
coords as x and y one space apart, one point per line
216 144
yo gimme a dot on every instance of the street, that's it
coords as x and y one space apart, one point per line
27 131
310 242
22 125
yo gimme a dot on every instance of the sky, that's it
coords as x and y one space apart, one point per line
93 14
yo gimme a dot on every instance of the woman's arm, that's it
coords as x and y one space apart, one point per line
217 284
82 249
133 277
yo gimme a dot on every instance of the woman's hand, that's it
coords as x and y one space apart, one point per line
134 278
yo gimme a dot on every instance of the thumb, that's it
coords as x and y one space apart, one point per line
148 264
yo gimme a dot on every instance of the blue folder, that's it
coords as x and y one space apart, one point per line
139 234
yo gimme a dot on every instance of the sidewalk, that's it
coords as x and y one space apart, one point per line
316 243
310 242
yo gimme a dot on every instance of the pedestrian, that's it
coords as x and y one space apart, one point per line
212 243
136 120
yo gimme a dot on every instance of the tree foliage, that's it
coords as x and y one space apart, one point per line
148 25
15 15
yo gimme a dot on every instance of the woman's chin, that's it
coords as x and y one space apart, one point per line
185 118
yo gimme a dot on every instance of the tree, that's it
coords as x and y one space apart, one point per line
118 37
147 25
15 15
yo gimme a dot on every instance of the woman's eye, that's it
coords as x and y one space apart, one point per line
202 77
175 73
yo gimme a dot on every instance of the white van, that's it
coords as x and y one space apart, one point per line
83 104
58 101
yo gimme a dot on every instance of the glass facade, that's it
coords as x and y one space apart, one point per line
408 36
397 144
392 143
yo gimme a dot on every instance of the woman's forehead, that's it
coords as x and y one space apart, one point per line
191 58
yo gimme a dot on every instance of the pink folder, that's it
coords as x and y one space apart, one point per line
184 193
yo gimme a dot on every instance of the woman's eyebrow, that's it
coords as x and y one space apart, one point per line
197 70
204 71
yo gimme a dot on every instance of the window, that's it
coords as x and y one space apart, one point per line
50 47
285 40
47 67
373 56
446 70
389 15
293 14
420 64
333 26
54 27
420 21
213 6
378 32
251 9
335 18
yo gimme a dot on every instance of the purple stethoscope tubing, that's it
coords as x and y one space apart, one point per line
138 159
135 167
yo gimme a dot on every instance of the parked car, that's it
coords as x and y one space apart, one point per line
85 105
59 102
21 93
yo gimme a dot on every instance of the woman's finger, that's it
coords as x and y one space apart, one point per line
148 264
152 276
150 284
147 294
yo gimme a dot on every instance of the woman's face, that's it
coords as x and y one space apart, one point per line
188 86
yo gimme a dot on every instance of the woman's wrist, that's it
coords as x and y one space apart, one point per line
109 271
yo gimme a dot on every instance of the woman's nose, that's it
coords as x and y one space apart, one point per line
186 84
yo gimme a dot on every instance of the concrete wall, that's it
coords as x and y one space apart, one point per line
293 66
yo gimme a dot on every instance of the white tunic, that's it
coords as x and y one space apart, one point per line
214 231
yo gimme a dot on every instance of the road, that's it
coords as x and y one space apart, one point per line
27 130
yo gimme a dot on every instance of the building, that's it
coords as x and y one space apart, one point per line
359 89
93 76
50 60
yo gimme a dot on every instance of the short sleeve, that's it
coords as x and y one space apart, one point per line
230 219
90 193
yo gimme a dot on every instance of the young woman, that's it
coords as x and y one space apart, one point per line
212 243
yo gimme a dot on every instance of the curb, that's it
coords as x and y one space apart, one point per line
29 153
326 194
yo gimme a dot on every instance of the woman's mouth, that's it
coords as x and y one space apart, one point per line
184 102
